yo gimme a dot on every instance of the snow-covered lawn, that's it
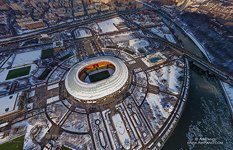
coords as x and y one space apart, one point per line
99 131
173 83
154 102
9 61
139 94
121 130
168 77
39 126
8 103
74 141
154 111
76 123
138 43
141 78
110 25
153 78
26 58
56 111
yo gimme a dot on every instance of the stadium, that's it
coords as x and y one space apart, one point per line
98 80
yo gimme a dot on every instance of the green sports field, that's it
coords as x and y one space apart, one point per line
16 144
65 148
99 76
48 53
19 72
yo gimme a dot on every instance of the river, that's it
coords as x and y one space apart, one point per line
206 123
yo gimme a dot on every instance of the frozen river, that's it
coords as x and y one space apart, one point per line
206 117
206 123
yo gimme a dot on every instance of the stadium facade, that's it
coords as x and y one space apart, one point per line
98 80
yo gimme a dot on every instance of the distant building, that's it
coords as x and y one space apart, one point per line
58 45
27 23
3 5
15 7
106 1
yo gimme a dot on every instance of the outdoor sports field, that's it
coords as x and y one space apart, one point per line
19 72
99 76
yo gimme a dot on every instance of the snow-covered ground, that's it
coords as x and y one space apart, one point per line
167 77
122 37
53 86
4 73
82 33
26 58
154 102
74 141
8 104
36 129
139 94
70 62
147 62
138 43
121 131
76 123
4 88
110 25
163 34
56 75
153 78
9 61
56 111
141 78
171 75
52 99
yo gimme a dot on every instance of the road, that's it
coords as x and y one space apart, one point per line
60 27
226 77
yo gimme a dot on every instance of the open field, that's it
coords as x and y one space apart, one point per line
46 53
19 72
99 76
16 144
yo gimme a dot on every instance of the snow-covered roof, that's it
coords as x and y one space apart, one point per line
92 91
110 25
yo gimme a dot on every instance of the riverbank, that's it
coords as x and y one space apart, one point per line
226 88
206 115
